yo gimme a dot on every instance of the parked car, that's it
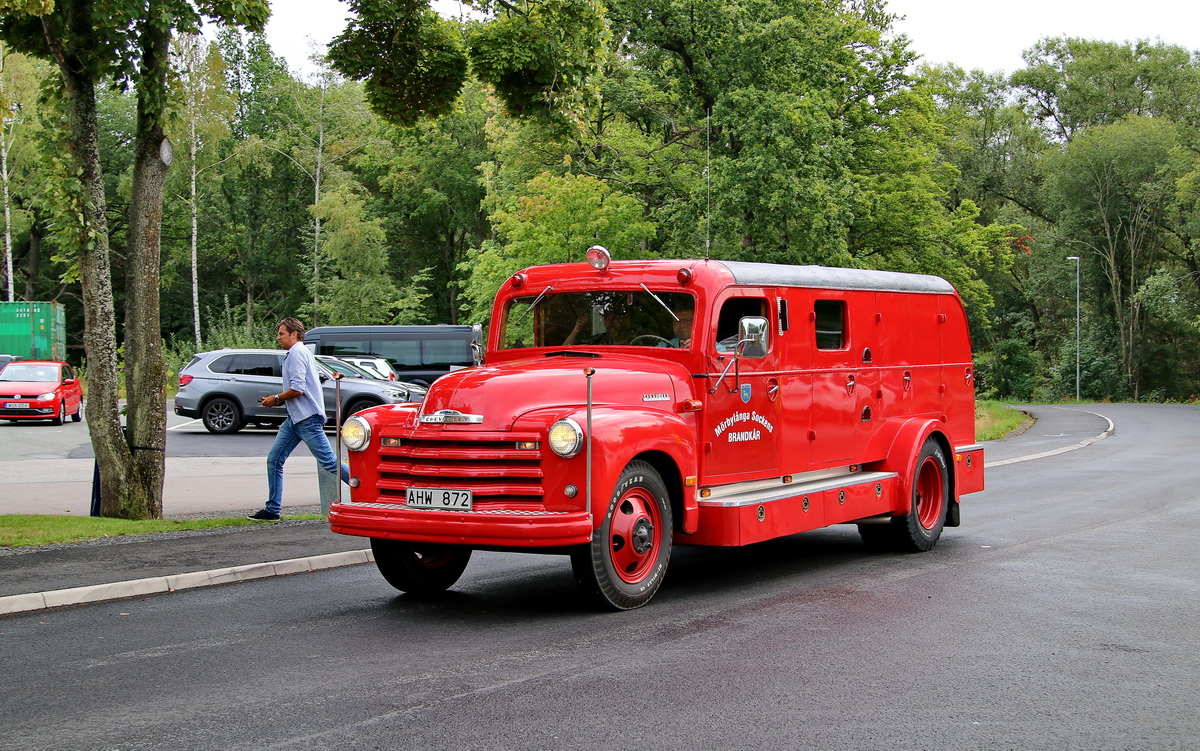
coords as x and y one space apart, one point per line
376 366
419 354
224 388
40 390
6 359
347 369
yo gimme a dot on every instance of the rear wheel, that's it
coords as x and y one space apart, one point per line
420 568
78 412
222 415
626 561
920 529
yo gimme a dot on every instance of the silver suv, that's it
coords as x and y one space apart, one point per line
224 388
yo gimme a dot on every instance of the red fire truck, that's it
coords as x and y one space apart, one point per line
623 407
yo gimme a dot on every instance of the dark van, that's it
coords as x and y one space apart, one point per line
418 354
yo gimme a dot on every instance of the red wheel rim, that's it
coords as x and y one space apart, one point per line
634 535
930 493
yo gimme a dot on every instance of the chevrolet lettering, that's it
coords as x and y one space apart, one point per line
622 408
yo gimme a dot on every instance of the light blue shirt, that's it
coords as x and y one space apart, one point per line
300 374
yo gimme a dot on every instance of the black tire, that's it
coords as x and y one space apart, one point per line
78 412
356 406
222 415
626 561
61 417
420 568
920 529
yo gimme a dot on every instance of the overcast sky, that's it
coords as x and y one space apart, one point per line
990 36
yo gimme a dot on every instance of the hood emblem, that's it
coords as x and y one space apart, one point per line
451 417
656 397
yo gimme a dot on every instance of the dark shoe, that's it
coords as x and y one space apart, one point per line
264 516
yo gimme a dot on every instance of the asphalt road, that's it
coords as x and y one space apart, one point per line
38 439
1061 615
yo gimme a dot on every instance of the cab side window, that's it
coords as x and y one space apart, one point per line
732 312
830 324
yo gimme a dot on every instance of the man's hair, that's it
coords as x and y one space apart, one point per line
294 326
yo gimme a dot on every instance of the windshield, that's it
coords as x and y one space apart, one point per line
583 319
35 373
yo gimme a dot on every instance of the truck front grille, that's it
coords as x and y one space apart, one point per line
489 465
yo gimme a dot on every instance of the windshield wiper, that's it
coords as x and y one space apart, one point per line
660 302
533 305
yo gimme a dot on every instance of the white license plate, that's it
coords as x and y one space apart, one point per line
439 498
16 405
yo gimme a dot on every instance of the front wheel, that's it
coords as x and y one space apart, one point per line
61 417
625 563
420 568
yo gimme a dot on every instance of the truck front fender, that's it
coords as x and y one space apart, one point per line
618 435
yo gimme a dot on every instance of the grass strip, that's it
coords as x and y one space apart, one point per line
994 420
20 530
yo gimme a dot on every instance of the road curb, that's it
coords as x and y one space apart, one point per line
158 584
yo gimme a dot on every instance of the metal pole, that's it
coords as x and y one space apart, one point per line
337 455
1078 359
589 372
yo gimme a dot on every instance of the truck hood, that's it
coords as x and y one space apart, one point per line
503 393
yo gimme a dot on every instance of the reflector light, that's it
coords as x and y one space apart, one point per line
392 442
517 281
599 257
528 445
683 276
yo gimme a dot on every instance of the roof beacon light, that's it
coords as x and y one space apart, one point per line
599 257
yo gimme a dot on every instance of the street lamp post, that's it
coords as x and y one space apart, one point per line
1077 357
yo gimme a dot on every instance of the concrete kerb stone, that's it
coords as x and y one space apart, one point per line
159 584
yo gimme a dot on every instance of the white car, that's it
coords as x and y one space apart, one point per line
377 366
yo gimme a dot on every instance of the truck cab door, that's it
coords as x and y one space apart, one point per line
742 416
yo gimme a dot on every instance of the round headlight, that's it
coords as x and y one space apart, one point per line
566 438
356 433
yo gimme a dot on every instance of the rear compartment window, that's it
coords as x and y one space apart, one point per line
831 324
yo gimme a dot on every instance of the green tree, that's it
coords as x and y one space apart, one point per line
539 55
360 290
127 41
1110 200
204 113
554 220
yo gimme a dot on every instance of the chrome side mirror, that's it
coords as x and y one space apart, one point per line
477 343
753 342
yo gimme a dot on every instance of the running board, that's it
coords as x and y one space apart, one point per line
794 490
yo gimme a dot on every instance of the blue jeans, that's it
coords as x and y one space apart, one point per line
312 432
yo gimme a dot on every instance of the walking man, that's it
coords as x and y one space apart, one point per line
305 421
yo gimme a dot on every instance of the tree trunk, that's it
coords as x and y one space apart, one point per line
33 260
145 371
95 275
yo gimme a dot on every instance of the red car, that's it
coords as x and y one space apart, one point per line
40 390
